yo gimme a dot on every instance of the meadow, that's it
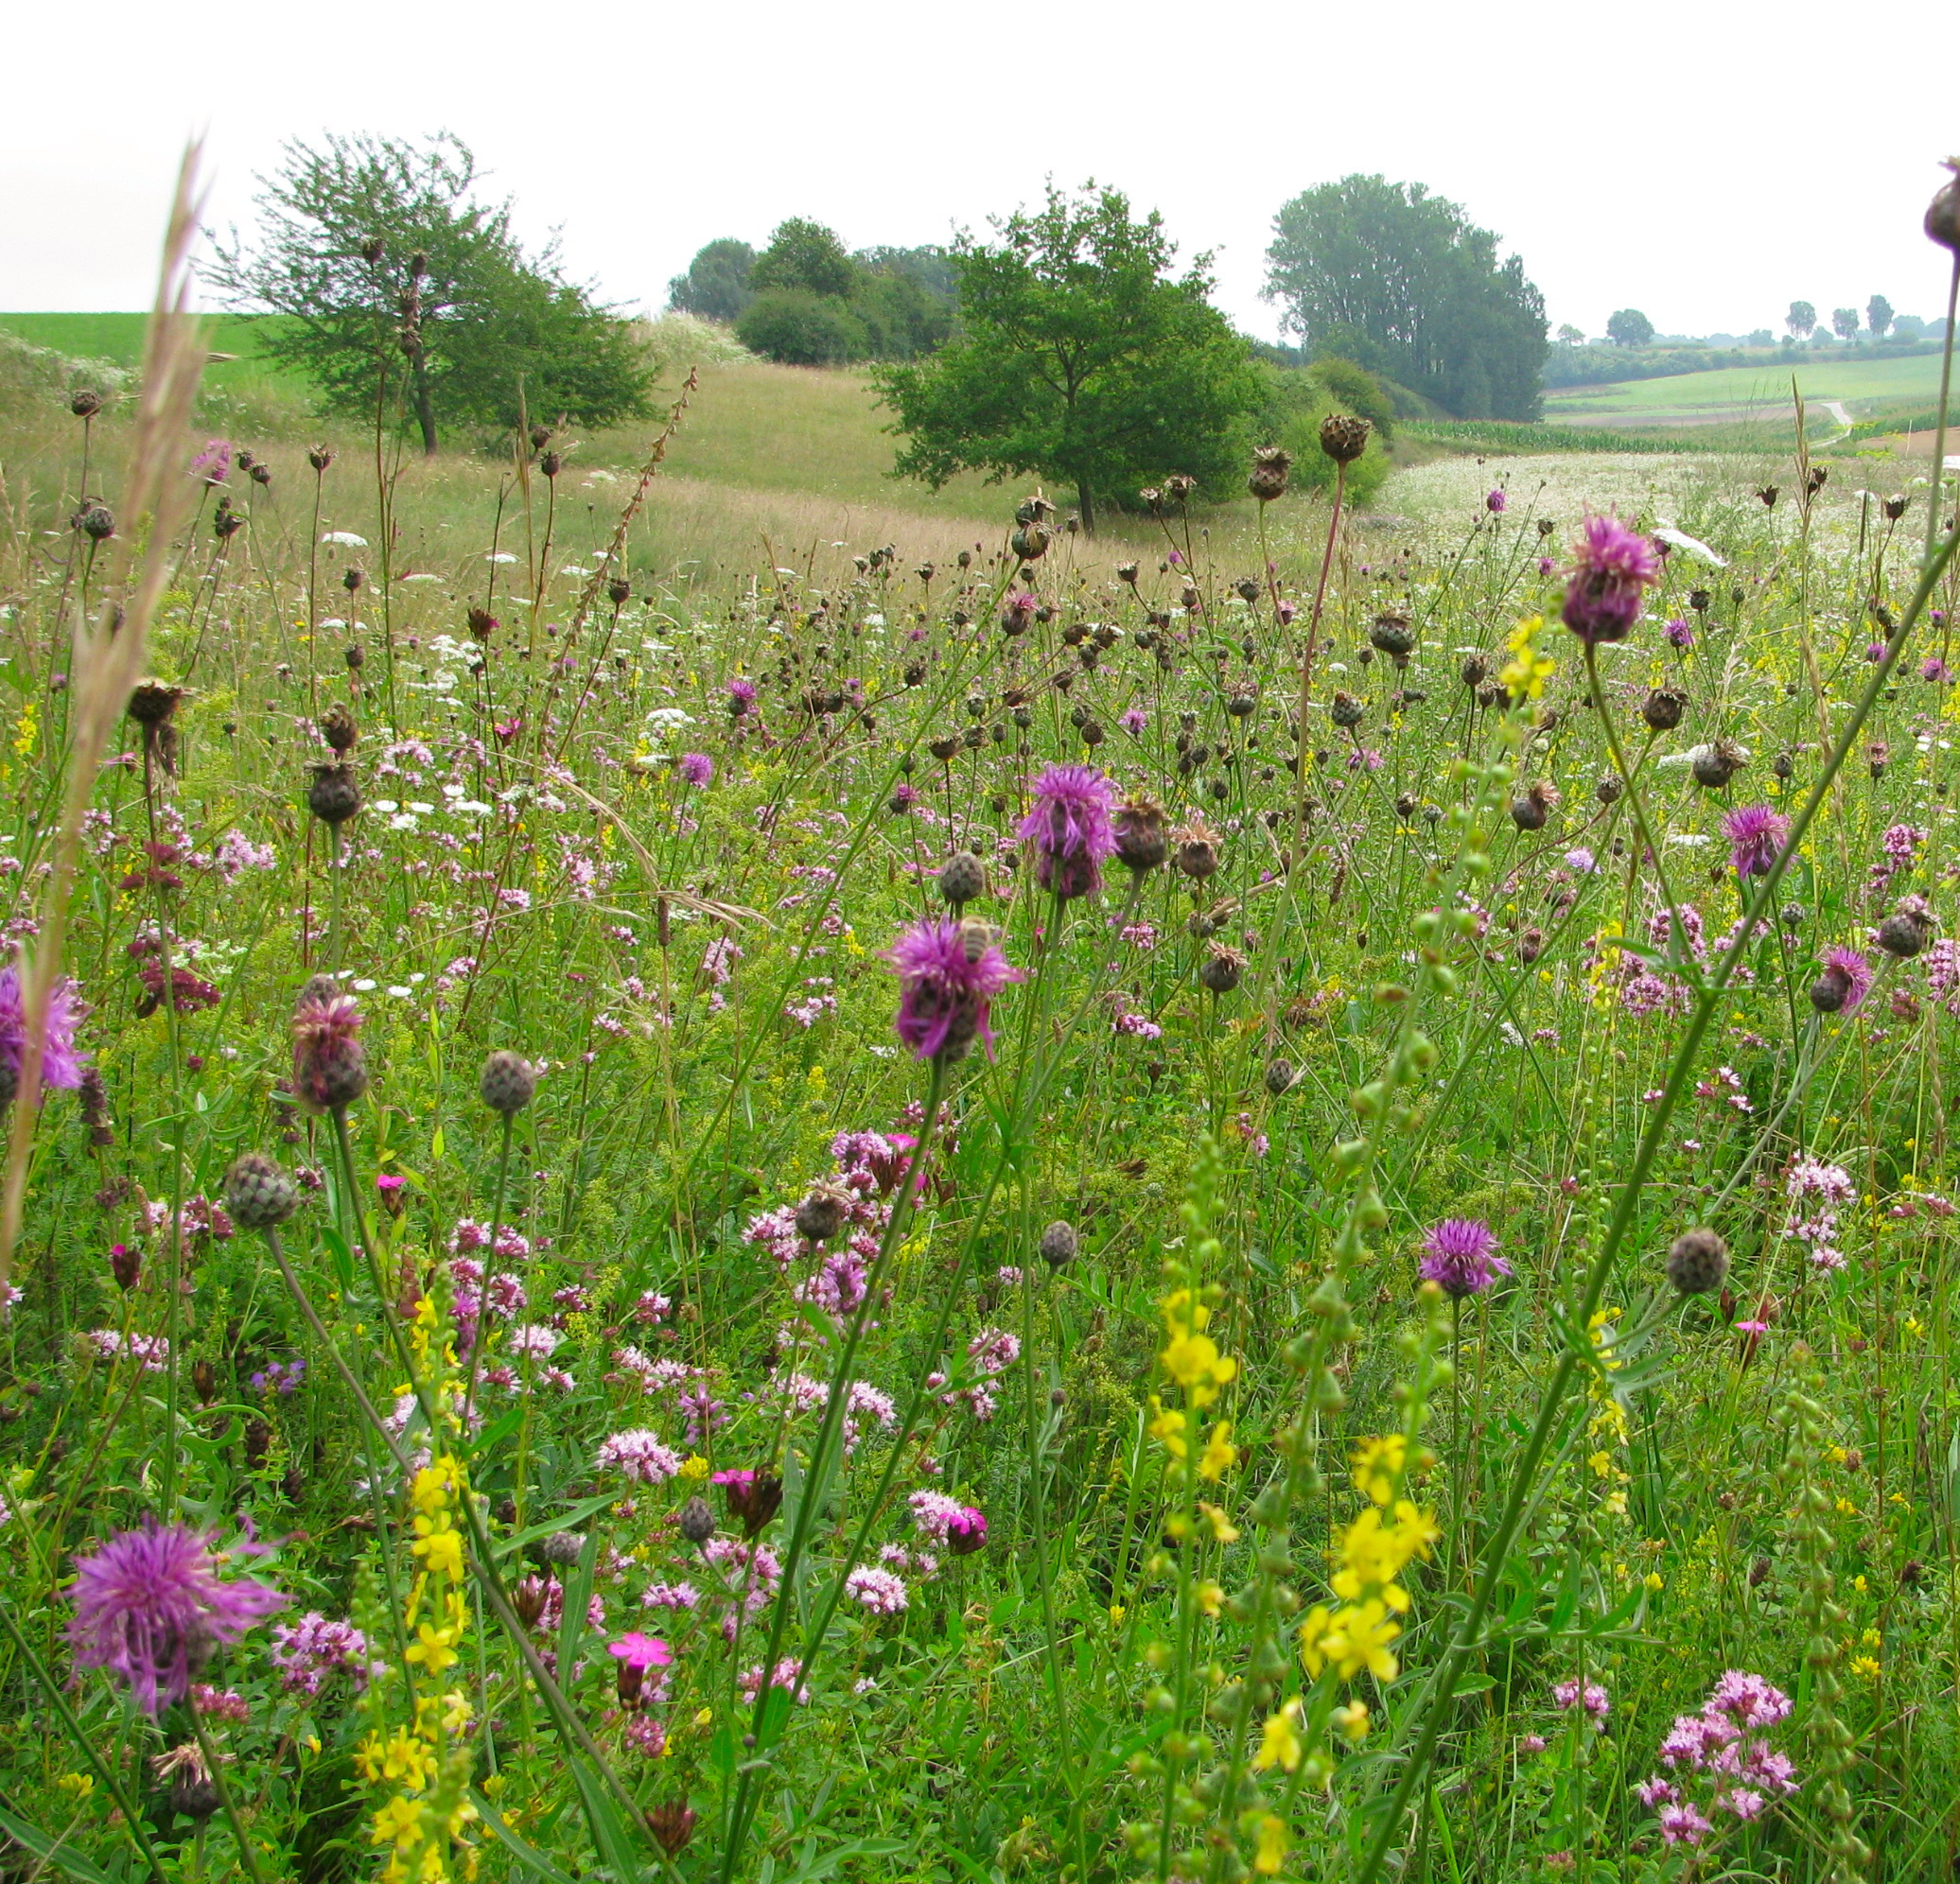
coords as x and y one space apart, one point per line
720 1171
1744 394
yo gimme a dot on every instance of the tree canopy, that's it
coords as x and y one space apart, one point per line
1801 320
1401 281
1629 327
716 286
1082 358
396 284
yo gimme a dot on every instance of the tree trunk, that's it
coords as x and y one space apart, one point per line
424 406
1085 507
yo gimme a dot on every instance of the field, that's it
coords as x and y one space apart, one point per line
735 1178
1739 396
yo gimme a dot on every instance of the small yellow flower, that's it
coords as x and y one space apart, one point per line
1351 1722
1281 1745
398 1823
1378 1465
1210 1597
1219 1454
1222 1526
694 1468
432 1648
1656 1582
1274 1840
1867 1667
77 1786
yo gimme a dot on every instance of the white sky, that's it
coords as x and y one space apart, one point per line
1702 159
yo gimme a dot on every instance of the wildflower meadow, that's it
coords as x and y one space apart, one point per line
1262 1196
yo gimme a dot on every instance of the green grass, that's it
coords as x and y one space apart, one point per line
1735 394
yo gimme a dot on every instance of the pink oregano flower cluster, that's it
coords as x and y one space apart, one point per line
1720 1758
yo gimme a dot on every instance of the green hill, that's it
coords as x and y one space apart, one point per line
1735 394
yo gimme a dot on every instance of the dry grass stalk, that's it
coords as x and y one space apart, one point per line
109 655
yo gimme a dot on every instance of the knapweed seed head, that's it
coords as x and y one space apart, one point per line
334 796
1059 1245
258 1193
1344 436
509 1083
1270 465
1143 843
1697 1261
962 877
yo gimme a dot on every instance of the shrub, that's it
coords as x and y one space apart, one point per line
802 329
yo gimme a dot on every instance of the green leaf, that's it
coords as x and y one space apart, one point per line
525 1853
563 1520
51 1851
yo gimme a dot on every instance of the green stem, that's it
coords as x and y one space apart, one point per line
212 1766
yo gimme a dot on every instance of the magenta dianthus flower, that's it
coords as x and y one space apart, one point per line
1755 836
1460 1256
1070 828
61 1063
149 1607
949 973
966 1531
1611 568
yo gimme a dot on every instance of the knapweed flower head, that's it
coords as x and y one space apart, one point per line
1496 503
695 768
1071 830
214 464
1679 634
1460 1255
1611 569
742 697
949 973
1756 834
329 1064
151 1607
62 1064
1844 982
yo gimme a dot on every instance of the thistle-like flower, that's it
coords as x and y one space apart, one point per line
1612 566
62 1064
1756 835
1071 830
329 1064
949 973
1460 1256
151 1607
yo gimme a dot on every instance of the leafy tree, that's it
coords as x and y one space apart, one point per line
1082 358
806 257
395 283
802 329
1844 323
1569 336
1629 327
1877 316
715 287
1403 281
1296 399
1801 319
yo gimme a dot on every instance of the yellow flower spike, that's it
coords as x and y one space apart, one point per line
1378 1465
1314 1626
1219 1455
1274 1840
1222 1526
1281 1745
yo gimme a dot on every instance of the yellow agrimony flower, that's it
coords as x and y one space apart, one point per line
398 1823
1274 1840
1219 1454
1282 1743
431 1648
1222 1526
1525 675
1378 1465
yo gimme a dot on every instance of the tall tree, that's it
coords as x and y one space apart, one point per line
1801 320
1877 316
1082 357
1401 280
394 280
804 256
1629 327
715 287
1844 323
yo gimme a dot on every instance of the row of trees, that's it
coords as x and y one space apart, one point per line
1629 327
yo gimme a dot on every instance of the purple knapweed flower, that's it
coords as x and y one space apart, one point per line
742 697
1133 720
949 973
695 768
149 1607
1611 568
1496 503
1849 975
1756 835
1460 1256
1070 828
1679 633
214 464
1933 669
62 1064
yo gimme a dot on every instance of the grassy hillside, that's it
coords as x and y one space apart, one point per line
1735 395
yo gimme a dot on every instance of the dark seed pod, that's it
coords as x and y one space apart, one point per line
1530 810
696 1521
1029 543
1392 636
1530 945
1196 855
562 1548
1830 990
1905 932
1715 765
192 1794
1473 671
1405 806
1059 1245
338 728
152 702
509 1083
1142 843
1609 788
320 457
962 877
1896 508
1222 971
353 579
84 402
1698 1261
1345 437
96 521
334 796
258 1195
1698 599
672 1825
1792 916
1345 710
527 1598
1878 756
1783 765
551 463
1279 1076
1271 466
823 1213
618 591
1664 707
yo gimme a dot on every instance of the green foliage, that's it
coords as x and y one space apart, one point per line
1629 327
1801 320
1081 359
716 286
1404 283
344 230
800 328
1297 399
804 258
1877 316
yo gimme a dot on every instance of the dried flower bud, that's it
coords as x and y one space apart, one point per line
1715 765
1905 932
1142 843
1345 710
1943 212
672 1825
824 1211
338 728
1059 1245
509 1083
334 796
1698 1261
1392 634
1271 466
1223 970
696 1521
258 1195
962 877
1664 707
84 402
1279 1076
320 457
1345 437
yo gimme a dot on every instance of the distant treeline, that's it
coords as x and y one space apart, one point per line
1599 366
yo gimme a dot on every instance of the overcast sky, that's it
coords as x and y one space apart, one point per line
1705 162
